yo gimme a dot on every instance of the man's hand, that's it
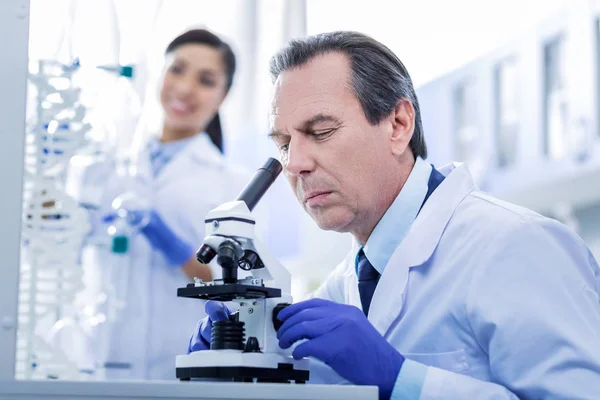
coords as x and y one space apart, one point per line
342 337
200 340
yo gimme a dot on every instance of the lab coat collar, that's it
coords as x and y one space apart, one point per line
436 213
419 245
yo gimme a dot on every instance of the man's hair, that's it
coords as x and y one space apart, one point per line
379 79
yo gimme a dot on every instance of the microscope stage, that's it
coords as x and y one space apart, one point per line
228 292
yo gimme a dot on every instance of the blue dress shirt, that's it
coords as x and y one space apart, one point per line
396 222
383 241
161 153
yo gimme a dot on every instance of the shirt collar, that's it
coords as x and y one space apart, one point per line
393 227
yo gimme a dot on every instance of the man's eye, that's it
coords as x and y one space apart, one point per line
284 147
323 133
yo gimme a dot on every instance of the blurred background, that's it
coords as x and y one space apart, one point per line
510 87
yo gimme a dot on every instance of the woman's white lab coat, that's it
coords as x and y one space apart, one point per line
155 324
492 300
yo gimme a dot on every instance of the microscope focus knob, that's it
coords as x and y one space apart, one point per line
276 322
252 345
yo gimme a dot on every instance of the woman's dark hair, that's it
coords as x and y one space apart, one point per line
202 36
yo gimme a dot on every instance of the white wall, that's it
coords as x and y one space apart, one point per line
535 181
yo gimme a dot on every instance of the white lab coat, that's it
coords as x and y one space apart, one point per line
155 325
497 301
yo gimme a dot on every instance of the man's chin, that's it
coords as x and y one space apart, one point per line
330 223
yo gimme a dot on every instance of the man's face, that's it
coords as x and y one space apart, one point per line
334 159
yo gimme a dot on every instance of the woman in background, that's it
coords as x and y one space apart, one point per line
184 175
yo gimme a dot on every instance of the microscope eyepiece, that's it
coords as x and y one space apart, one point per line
260 183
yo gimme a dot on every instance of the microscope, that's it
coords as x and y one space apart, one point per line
245 347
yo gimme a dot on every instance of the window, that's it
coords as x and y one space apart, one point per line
465 115
507 112
555 100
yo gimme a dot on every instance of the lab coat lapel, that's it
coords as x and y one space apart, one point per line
143 171
418 246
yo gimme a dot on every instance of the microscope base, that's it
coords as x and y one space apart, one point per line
235 366
244 374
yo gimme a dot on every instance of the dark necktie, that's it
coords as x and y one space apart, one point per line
367 281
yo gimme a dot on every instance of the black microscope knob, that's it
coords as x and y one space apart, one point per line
252 345
276 322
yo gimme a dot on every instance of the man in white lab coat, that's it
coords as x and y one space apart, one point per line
448 293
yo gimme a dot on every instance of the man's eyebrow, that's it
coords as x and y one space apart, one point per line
308 124
276 134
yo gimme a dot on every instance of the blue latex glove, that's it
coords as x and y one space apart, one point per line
163 239
341 336
216 311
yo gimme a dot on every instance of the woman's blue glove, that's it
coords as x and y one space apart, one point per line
341 336
216 311
162 238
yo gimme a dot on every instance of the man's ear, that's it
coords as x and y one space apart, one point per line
403 126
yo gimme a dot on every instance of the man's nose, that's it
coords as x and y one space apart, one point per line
300 157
